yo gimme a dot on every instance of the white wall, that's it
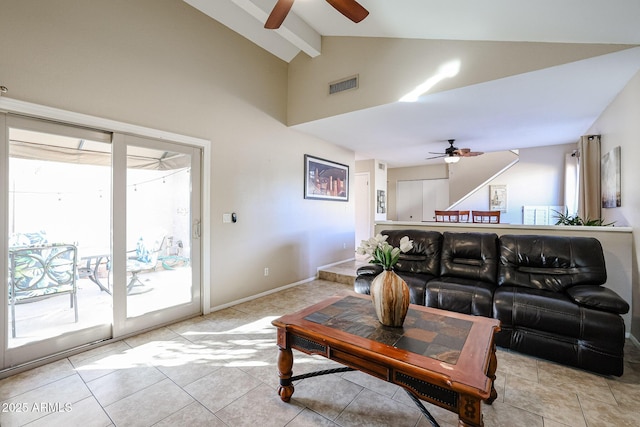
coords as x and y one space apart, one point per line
164 65
537 179
619 126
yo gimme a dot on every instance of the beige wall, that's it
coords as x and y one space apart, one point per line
537 179
164 65
619 126
390 68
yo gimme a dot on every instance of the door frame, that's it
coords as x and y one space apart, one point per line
10 105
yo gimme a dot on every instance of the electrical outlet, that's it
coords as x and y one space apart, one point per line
266 271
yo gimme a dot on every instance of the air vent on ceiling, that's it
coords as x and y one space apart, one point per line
345 84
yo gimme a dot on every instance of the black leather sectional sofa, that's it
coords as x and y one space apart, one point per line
546 291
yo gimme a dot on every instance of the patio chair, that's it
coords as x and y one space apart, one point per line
41 271
145 259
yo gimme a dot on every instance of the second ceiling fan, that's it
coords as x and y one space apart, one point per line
349 8
452 154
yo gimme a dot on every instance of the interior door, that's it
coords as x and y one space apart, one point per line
156 264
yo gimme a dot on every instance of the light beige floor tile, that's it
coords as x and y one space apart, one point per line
259 407
602 414
626 389
443 416
124 382
149 405
111 348
327 395
220 388
308 418
499 414
578 381
545 401
372 383
104 363
514 363
192 415
373 409
160 334
85 413
41 401
34 378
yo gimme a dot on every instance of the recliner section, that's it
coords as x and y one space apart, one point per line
546 291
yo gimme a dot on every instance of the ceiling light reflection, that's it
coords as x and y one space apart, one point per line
448 70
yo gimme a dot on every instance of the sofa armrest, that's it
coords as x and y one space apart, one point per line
598 297
369 270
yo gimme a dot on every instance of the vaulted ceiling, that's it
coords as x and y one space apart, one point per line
580 90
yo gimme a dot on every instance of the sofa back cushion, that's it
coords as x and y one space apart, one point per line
470 256
552 263
425 255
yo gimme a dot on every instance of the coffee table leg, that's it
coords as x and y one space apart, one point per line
493 365
470 412
285 363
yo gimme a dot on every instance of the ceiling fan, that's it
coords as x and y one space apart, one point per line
452 154
349 8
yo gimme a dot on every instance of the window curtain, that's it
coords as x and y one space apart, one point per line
589 196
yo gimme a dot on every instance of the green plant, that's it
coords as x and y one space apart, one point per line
566 219
383 253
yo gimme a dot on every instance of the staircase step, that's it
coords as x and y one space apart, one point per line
341 273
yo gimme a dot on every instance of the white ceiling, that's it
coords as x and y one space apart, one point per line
547 107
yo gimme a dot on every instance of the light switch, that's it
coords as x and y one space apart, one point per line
226 217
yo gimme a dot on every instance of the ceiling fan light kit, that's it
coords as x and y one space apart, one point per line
452 154
452 159
349 8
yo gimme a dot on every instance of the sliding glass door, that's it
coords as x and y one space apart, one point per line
159 234
101 236
58 216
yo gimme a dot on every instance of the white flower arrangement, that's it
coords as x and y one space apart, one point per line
381 252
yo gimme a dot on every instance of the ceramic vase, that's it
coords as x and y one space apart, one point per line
390 296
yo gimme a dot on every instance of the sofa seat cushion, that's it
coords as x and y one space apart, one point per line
417 284
599 298
555 313
461 295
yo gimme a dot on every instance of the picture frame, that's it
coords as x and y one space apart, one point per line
610 179
498 198
381 202
325 179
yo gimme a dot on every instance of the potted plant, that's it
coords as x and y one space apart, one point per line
566 219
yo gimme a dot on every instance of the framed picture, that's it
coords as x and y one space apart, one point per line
610 179
382 204
498 198
325 180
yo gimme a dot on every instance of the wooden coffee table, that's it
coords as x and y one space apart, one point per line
441 357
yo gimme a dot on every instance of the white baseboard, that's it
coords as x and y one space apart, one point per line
322 267
634 340
262 294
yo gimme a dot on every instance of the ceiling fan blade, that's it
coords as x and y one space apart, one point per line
436 157
278 14
350 8
466 152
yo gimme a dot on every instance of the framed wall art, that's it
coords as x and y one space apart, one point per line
498 198
610 179
325 180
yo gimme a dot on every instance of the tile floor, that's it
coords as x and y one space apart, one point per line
220 370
